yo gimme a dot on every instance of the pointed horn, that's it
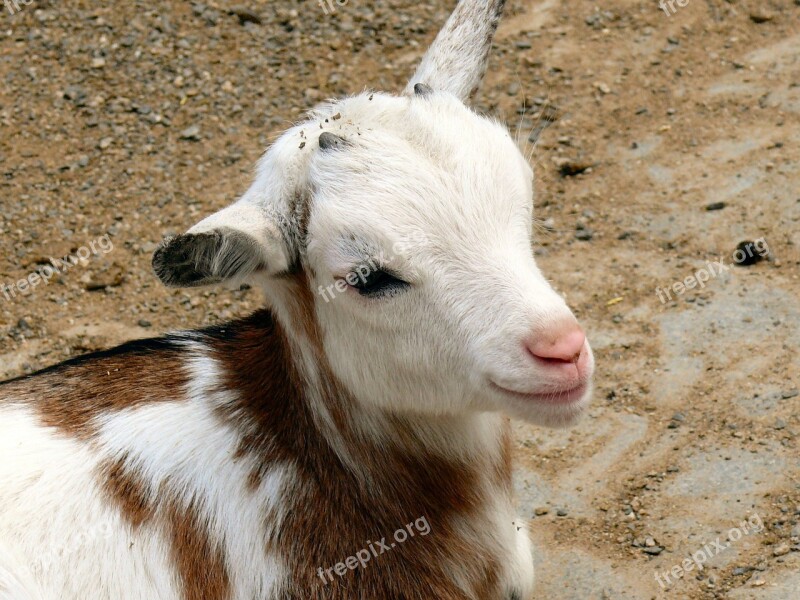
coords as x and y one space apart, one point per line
456 61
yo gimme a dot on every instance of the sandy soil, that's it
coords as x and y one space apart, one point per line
135 119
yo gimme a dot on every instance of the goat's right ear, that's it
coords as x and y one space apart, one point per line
238 241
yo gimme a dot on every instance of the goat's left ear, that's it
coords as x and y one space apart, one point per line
233 244
456 61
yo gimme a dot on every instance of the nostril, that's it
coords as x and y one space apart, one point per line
559 347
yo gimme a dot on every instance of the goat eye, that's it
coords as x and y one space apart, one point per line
375 282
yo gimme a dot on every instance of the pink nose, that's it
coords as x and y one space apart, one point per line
562 344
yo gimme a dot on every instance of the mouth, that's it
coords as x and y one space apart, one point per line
556 398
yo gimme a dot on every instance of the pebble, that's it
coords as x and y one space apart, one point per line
541 510
715 206
191 133
761 17
246 15
561 512
570 168
584 235
602 87
790 394
145 323
781 549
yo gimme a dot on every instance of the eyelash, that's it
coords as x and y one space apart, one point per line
375 283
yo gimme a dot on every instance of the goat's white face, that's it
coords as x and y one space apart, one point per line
412 218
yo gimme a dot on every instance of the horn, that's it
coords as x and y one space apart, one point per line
422 89
330 141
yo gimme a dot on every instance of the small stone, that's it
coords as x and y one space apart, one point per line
715 206
191 133
653 551
145 323
561 512
523 44
584 235
748 253
513 88
105 143
570 168
779 424
312 95
790 394
98 63
760 17
103 281
781 549
541 510
604 89
246 15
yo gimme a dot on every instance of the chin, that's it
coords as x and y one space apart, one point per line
547 412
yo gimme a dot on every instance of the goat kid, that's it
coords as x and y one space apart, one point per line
234 462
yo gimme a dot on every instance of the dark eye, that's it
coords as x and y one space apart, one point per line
373 283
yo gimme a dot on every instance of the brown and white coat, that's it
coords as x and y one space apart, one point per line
391 236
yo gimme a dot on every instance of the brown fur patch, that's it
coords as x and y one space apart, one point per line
334 511
199 562
71 395
127 492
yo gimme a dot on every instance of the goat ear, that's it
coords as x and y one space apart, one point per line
456 61
233 244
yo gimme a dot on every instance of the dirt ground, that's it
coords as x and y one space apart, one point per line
661 142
